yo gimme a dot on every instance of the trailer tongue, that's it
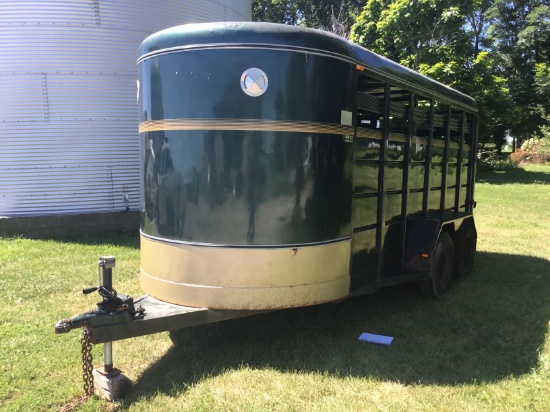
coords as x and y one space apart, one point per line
156 316
119 317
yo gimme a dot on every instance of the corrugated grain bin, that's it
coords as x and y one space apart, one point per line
68 107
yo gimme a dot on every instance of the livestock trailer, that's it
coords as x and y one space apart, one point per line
285 167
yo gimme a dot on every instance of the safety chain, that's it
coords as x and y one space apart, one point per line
87 366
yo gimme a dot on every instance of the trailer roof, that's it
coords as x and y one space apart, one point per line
294 38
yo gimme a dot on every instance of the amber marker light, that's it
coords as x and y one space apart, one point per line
360 68
425 255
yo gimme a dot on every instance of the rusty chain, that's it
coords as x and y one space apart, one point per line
87 369
87 366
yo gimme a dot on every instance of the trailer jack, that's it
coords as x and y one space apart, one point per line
114 309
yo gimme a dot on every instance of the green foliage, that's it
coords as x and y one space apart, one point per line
520 35
394 29
332 15
542 80
532 151
497 51
535 36
442 40
542 88
365 29
489 160
478 78
275 11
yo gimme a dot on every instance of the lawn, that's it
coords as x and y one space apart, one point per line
484 346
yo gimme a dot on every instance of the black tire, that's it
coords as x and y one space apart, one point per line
442 268
465 249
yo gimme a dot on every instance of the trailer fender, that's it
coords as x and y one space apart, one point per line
465 242
421 243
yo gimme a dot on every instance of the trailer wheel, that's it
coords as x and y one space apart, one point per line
465 249
442 268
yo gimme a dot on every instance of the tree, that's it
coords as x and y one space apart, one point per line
520 32
536 36
445 40
479 79
410 32
542 88
478 24
335 16
275 11
497 51
366 30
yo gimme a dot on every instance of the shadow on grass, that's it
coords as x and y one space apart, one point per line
489 327
513 175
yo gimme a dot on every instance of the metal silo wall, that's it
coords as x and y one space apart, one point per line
68 115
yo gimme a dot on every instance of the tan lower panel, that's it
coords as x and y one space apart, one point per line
244 278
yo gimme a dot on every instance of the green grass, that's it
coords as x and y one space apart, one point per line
484 346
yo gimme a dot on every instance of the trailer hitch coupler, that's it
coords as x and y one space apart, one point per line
63 326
